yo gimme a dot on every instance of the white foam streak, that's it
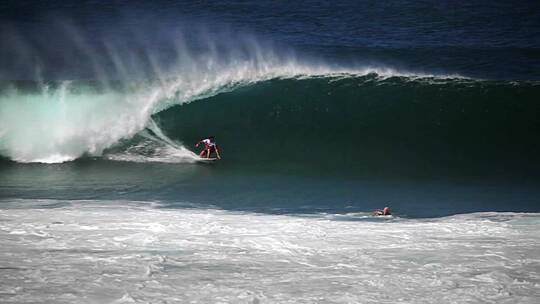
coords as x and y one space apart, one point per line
156 147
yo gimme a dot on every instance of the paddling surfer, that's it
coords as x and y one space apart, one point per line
209 147
385 211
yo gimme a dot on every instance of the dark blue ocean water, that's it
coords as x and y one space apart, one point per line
484 39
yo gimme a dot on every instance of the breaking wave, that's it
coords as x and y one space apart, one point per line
62 121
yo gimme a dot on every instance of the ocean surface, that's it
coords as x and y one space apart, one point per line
323 111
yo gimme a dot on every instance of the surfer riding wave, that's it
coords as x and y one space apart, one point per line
210 147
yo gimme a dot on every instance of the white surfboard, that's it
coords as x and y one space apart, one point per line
206 160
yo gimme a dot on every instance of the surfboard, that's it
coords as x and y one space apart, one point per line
206 160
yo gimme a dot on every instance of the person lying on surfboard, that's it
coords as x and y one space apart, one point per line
385 211
209 147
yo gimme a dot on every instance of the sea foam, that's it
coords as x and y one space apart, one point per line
105 251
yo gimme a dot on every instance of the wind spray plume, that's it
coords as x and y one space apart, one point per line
99 88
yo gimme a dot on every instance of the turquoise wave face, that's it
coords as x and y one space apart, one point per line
370 126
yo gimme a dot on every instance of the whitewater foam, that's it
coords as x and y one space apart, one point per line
101 251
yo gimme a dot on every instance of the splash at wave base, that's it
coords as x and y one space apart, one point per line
136 252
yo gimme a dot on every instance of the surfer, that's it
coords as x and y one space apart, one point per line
385 211
209 147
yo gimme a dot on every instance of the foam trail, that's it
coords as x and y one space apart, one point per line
155 147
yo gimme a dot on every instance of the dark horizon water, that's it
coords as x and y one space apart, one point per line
484 39
324 111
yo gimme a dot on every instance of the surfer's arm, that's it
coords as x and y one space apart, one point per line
217 152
